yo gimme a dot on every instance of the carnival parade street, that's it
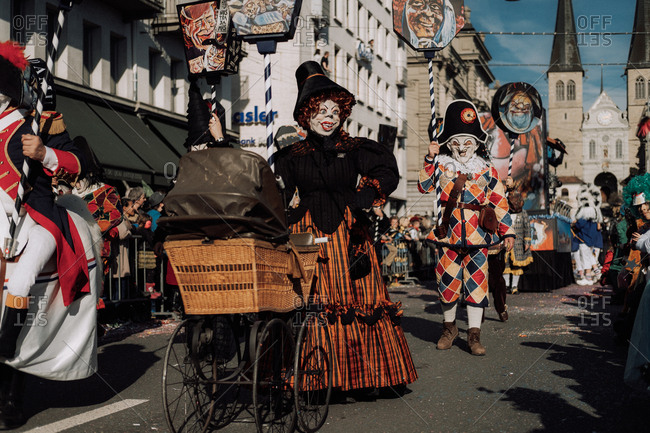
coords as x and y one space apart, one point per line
553 367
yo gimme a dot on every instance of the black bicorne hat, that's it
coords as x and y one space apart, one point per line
198 117
311 81
12 66
461 117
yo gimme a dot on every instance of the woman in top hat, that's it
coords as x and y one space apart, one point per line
370 350
464 165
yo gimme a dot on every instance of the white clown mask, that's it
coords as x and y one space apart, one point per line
463 147
326 119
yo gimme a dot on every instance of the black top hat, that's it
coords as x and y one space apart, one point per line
311 81
461 117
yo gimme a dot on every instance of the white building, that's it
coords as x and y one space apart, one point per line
604 141
120 78
377 78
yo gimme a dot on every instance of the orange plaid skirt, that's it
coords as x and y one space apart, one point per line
369 346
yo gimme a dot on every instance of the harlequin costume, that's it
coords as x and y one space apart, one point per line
369 346
463 264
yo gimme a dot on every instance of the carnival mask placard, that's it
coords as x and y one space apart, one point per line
428 25
517 108
264 19
208 37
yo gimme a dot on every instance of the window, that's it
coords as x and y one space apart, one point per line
118 61
178 88
352 79
571 91
353 25
619 148
559 91
592 149
639 88
90 55
154 75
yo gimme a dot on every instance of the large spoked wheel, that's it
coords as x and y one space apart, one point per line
187 396
273 396
312 378
224 346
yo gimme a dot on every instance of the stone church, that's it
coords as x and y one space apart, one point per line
601 143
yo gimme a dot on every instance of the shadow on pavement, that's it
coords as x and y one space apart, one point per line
594 372
120 366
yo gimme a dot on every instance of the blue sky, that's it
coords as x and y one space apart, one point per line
596 16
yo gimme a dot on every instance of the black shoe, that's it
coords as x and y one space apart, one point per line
11 416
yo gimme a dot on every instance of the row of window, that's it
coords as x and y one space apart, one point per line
368 87
639 89
618 149
357 19
570 90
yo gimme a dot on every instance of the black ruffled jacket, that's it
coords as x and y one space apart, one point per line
326 172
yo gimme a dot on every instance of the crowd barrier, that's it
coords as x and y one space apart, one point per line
147 280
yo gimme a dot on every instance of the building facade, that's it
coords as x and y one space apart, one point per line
460 72
120 78
604 138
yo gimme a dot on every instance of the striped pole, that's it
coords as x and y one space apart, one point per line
10 245
433 136
270 148
512 148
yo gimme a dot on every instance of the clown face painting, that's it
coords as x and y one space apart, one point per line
517 107
428 24
199 23
261 17
205 28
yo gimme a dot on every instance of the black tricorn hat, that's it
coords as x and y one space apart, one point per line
461 117
312 81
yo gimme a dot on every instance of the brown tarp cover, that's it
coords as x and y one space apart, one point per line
224 193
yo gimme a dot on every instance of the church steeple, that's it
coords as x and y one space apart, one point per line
639 56
565 56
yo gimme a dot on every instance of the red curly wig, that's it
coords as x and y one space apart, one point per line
344 100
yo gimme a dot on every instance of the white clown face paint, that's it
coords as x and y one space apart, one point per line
463 147
326 119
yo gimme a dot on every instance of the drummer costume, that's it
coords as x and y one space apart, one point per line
463 265
369 346
53 229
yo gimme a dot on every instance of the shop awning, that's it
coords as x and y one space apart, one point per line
172 134
138 137
109 148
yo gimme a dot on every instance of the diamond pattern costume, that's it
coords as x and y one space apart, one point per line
464 259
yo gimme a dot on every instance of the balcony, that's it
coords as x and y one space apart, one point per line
402 127
167 21
138 9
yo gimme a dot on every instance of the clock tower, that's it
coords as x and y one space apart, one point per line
565 75
604 142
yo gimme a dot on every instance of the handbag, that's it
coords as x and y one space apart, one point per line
487 219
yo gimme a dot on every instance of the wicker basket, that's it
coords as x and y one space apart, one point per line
238 275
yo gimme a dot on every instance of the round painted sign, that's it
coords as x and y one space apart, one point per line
517 107
428 25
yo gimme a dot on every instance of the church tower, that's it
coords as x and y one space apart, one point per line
638 76
565 75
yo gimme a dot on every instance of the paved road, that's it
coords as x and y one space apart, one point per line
553 367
